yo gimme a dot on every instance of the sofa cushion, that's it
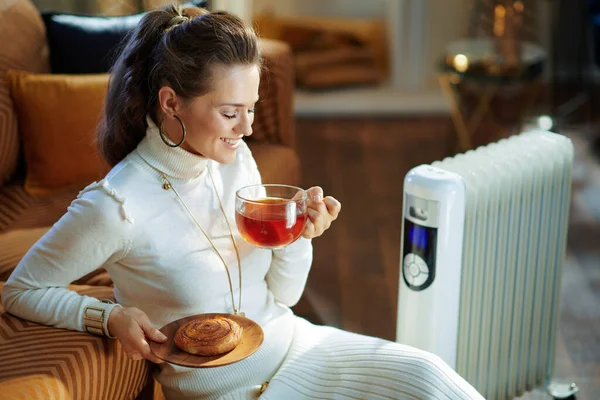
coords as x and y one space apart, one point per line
23 47
81 44
41 362
58 117
86 44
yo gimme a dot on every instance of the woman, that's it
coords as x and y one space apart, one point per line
180 100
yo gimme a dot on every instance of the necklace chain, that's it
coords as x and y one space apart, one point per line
168 185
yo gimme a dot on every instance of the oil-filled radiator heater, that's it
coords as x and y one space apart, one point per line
483 244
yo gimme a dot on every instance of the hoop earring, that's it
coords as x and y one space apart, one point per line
165 140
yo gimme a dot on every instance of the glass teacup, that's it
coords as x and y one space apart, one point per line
270 215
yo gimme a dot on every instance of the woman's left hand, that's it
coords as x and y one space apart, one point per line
321 212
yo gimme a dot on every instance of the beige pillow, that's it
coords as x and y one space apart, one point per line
58 116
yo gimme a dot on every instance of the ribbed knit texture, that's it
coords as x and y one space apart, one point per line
328 363
161 263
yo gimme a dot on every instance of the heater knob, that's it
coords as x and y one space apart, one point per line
415 269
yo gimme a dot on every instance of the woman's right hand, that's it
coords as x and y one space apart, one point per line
133 329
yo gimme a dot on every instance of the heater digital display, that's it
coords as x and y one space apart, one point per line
418 256
418 236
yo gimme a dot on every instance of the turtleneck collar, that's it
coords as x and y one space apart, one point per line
174 162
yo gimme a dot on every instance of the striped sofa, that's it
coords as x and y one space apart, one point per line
39 362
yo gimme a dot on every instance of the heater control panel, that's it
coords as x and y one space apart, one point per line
418 259
416 270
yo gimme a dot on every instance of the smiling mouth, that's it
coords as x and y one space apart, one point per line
230 141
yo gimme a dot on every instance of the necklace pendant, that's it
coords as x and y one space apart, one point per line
241 314
166 184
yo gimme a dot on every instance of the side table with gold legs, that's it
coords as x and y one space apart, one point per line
469 62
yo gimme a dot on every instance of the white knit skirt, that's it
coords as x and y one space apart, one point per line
324 363
328 363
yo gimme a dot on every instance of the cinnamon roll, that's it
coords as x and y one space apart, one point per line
209 337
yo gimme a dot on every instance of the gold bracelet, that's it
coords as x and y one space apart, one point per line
95 319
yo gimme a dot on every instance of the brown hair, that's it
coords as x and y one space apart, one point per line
174 47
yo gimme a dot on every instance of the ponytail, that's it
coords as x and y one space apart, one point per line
123 124
153 54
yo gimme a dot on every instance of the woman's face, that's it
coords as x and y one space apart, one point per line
216 122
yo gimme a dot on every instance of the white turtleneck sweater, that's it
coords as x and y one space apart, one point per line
158 258
161 262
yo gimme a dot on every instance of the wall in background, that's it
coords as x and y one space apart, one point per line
426 26
408 25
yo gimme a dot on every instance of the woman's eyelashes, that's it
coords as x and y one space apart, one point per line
235 114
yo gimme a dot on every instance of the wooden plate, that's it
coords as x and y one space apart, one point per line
252 338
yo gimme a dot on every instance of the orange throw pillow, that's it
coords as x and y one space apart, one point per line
58 116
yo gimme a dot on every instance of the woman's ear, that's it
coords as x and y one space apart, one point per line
170 103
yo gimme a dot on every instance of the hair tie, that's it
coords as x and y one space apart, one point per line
176 21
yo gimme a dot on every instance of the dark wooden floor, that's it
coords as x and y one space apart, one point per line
354 279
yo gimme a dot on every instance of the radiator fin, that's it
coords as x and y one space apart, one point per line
517 205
